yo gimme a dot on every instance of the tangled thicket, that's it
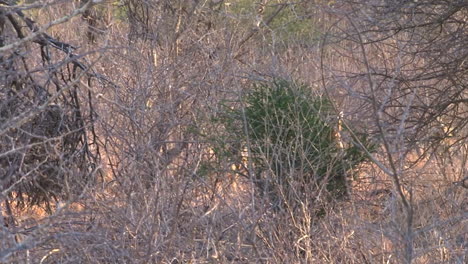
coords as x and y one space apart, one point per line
49 149
208 155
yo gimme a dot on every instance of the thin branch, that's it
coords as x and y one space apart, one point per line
43 29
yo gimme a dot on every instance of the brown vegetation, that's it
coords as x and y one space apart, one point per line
114 145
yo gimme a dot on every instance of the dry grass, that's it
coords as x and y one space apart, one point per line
195 222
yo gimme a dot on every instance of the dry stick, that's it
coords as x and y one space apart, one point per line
389 171
180 29
335 108
6 5
249 153
236 57
11 221
255 30
26 117
43 29
394 174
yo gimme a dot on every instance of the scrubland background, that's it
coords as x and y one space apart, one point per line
112 151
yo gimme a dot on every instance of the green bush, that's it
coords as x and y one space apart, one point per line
293 141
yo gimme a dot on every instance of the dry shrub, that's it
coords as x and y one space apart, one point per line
169 197
49 148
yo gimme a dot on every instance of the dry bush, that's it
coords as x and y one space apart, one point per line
49 149
395 61
161 70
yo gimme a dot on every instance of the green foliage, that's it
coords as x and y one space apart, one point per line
289 134
292 139
286 128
